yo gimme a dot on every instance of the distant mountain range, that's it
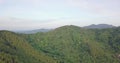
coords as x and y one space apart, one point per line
33 31
99 26
93 26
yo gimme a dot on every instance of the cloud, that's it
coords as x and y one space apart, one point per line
54 13
102 7
35 3
2 1
24 24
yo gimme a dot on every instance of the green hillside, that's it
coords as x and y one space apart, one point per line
66 44
14 49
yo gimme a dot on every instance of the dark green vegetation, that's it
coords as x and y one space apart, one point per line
67 44
15 49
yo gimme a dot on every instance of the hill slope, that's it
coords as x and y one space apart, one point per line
14 49
72 44
67 44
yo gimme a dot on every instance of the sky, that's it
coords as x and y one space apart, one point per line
36 14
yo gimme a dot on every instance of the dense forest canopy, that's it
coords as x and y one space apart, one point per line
66 44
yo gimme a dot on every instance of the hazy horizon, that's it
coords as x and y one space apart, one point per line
37 14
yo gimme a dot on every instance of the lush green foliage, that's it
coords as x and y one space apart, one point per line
14 49
67 44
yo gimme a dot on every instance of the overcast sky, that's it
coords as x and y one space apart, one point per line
35 14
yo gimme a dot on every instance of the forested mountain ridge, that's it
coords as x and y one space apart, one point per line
99 26
66 44
15 49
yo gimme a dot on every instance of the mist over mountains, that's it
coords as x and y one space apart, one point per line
93 26
33 31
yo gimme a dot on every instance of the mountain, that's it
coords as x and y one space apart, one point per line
72 44
99 26
66 44
15 49
33 31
